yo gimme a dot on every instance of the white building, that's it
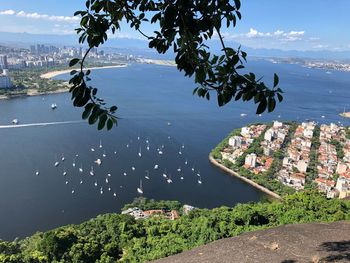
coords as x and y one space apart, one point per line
235 141
250 160
5 80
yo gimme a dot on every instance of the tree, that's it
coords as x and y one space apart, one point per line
185 26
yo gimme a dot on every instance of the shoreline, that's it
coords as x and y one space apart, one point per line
252 183
52 74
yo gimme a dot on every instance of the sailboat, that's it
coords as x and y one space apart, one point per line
73 191
63 158
140 154
181 177
81 168
147 147
183 146
92 149
124 173
37 173
198 173
115 194
199 180
92 171
81 181
186 162
109 175
95 183
169 181
140 189
164 174
100 144
104 154
107 181
73 162
156 167
133 168
98 162
180 152
57 163
101 190
64 172
179 169
147 175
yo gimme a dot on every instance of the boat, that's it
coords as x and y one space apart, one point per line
156 167
15 121
95 183
101 190
107 181
180 152
127 146
81 168
323 116
199 180
109 175
81 181
138 138
243 114
140 154
109 189
199 173
98 162
147 147
64 172
73 191
100 144
192 168
183 146
104 154
37 173
164 174
73 163
92 171
169 123
147 175
92 149
57 164
179 169
133 168
115 152
140 188
186 162
169 137
115 194
181 177
169 181
124 173
66 182
53 106
63 159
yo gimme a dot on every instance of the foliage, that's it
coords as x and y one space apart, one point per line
150 204
184 26
120 238
339 148
312 171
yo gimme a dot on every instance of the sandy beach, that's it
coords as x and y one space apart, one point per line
157 62
56 73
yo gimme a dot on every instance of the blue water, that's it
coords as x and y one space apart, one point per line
148 97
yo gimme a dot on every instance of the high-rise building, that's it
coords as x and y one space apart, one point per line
5 80
3 62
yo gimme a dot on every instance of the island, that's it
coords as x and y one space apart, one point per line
280 158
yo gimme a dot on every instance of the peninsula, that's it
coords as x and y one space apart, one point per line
281 158
345 114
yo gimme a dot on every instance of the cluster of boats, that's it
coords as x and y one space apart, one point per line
143 149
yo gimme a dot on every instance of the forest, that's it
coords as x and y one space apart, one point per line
121 238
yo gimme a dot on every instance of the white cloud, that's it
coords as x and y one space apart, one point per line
321 46
279 34
67 19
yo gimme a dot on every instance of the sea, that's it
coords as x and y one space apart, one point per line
157 113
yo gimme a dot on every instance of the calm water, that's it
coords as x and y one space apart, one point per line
148 97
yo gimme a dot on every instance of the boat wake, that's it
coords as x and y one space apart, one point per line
40 124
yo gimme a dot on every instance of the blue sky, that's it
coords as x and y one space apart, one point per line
282 24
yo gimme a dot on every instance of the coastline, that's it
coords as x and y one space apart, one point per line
252 183
56 73
159 62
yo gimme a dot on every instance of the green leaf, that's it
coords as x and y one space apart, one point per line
271 104
73 62
275 80
102 122
280 97
262 106
109 124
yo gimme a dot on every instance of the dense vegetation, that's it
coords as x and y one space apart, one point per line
120 238
149 204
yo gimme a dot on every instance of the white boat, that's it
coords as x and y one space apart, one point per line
73 191
127 146
63 159
199 173
147 175
101 190
115 152
104 154
183 146
192 168
15 121
156 167
37 173
81 168
164 174
115 194
92 171
179 169
98 162
140 154
57 164
138 138
169 123
64 172
140 188
107 181
169 181
100 144
147 147
160 152
66 182
53 106
109 189
181 177
133 168
199 181
73 163
95 183
109 175
81 181
186 162
243 114
169 137
180 152
323 116
92 149
124 173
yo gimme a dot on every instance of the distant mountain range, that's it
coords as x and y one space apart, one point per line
141 46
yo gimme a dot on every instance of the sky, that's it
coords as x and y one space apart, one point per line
280 24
